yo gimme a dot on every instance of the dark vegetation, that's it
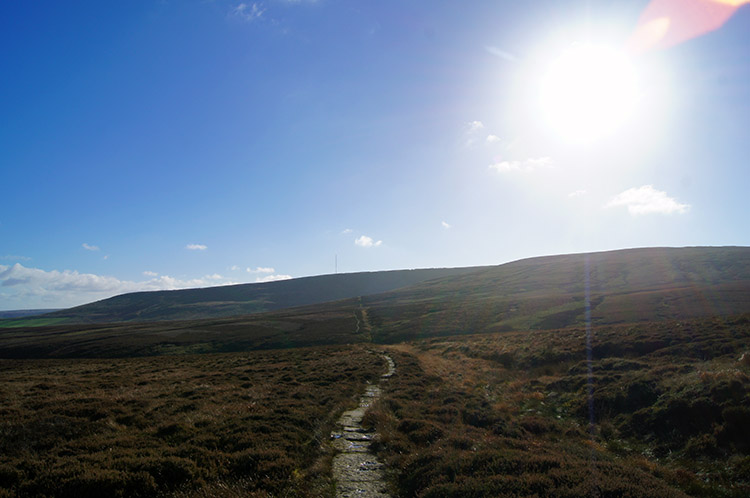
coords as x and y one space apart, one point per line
232 300
312 326
23 313
205 425
538 293
508 414
630 286
635 285
493 395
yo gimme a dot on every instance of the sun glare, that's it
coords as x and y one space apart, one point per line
587 92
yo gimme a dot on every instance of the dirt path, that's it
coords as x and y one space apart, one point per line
355 469
363 325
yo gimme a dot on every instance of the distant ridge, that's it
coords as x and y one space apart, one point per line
243 299
626 288
24 313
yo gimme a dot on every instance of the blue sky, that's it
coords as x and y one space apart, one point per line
158 144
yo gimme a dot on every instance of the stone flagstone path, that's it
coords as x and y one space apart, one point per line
355 469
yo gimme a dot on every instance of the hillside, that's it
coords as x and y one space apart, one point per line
24 313
629 286
332 323
626 286
233 300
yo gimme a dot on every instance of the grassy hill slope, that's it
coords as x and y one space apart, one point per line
233 300
333 323
625 286
653 400
24 313
638 285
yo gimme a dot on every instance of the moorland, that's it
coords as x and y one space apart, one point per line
624 373
233 300
234 424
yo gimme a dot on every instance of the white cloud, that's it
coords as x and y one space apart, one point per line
492 139
248 12
475 126
506 166
272 278
577 193
196 247
268 274
234 268
527 165
261 269
150 273
89 248
365 241
647 200
35 288
472 130
539 161
347 230
445 225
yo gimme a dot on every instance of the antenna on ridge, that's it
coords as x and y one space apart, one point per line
336 264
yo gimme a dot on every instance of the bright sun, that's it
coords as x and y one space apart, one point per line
587 92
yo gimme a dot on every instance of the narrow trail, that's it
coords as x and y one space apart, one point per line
364 323
355 469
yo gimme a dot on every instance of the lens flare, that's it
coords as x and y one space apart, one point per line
666 23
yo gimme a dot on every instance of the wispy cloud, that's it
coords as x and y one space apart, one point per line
472 131
506 166
475 126
445 224
647 200
498 52
347 230
36 279
248 11
261 269
89 247
234 268
196 247
365 241
272 278
577 193
476 131
13 257
150 273
527 165
34 287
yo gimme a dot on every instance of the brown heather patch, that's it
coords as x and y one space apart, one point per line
212 425
502 414
507 414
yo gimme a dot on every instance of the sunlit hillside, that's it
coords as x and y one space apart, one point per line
630 286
